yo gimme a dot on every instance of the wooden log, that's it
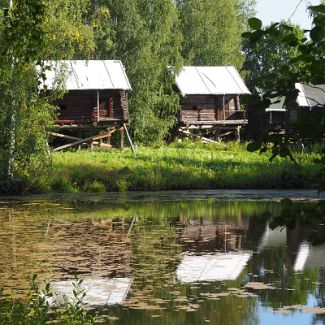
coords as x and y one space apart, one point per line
89 139
129 138
121 138
225 134
197 136
237 133
59 135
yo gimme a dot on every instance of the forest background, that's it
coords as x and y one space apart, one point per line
147 35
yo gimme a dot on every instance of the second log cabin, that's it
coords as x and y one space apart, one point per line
210 95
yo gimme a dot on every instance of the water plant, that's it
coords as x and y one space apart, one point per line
38 307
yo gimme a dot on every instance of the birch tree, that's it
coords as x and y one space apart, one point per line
212 32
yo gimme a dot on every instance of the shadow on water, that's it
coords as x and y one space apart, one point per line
183 262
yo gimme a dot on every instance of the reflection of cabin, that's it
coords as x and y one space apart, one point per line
309 257
204 235
212 267
273 238
219 251
96 91
99 291
210 96
310 98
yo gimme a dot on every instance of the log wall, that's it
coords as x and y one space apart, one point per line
201 108
81 105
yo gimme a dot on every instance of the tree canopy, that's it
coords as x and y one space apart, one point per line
212 31
148 36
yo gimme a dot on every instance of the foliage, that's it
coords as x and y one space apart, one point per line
37 310
69 33
264 58
147 39
305 64
212 31
35 31
24 113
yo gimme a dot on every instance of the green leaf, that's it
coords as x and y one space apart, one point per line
317 33
255 23
253 146
246 35
318 9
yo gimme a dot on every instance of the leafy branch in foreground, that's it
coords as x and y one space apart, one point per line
38 309
306 64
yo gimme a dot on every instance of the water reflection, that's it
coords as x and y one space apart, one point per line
185 262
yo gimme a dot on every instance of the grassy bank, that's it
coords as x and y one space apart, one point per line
178 166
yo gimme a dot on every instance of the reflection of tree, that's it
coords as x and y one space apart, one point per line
58 249
153 262
274 266
320 297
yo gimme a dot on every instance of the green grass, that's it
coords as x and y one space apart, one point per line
185 165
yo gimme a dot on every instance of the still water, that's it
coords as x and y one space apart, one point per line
168 259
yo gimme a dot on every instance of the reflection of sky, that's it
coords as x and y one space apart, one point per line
266 316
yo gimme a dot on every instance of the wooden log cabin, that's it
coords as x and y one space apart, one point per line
97 92
96 101
311 98
210 96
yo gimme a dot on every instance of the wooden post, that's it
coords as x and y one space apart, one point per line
91 141
80 136
121 138
217 135
224 107
129 138
237 133
108 141
97 105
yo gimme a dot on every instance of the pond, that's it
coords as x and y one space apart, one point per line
168 258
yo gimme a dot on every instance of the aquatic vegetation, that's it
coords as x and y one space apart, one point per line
37 309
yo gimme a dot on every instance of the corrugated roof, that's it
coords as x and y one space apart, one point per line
308 96
311 95
310 257
215 267
89 74
99 291
210 81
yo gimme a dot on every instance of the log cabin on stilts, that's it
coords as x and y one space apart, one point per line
278 116
210 101
95 104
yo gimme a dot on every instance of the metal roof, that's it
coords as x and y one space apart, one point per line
89 74
273 238
310 257
215 267
99 291
210 81
310 95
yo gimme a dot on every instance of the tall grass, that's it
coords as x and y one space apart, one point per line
185 165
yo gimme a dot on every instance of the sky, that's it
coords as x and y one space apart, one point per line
275 10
